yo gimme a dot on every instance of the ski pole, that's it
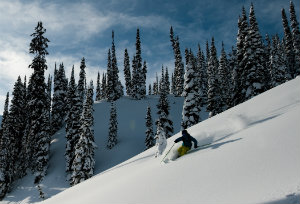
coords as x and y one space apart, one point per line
168 152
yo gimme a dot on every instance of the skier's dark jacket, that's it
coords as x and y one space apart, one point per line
186 139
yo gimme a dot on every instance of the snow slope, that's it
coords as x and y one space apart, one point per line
131 118
253 158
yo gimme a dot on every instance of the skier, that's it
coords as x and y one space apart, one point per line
186 143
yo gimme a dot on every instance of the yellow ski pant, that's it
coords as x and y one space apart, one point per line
183 150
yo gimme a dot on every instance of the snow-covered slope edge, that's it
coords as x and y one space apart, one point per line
254 158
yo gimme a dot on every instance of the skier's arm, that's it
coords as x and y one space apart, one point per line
195 142
178 139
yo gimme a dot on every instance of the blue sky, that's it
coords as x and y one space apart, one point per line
79 29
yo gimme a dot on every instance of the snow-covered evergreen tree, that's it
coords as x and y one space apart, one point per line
49 99
224 80
138 72
5 152
179 67
98 88
256 75
17 123
149 90
127 73
201 69
266 55
73 123
113 127
296 37
191 106
84 162
162 81
143 80
289 48
277 63
238 95
103 87
109 86
5 112
172 88
39 127
82 81
59 105
167 81
114 88
135 93
232 66
161 140
117 86
163 110
149 141
155 86
213 93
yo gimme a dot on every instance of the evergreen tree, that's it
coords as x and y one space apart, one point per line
277 63
5 112
113 127
191 106
207 53
186 54
143 80
296 37
73 123
232 66
163 110
117 89
17 123
103 87
22 158
49 99
289 48
5 152
138 72
162 81
82 81
201 69
127 73
84 162
59 105
172 84
149 141
150 90
167 81
267 53
26 142
224 79
98 88
155 86
213 94
39 127
179 67
239 72
256 76
110 86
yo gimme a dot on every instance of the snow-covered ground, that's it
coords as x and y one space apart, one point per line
252 157
131 136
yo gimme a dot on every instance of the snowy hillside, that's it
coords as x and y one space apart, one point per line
253 158
131 137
